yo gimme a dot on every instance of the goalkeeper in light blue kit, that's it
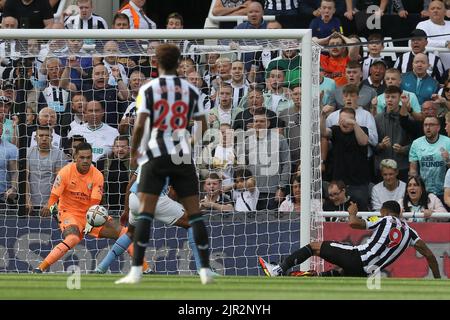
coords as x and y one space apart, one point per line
167 211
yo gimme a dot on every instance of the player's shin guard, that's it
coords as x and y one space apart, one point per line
201 238
117 250
59 251
297 258
141 237
194 249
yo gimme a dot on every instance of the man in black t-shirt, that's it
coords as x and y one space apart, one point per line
32 14
349 155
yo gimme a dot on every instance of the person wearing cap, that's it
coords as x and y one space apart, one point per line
376 76
393 141
374 47
391 188
439 28
418 44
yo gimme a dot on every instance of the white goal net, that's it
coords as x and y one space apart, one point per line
257 198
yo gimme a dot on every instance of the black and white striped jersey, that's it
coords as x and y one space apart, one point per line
239 93
391 237
281 5
170 102
94 22
435 70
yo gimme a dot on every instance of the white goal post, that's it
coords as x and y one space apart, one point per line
309 85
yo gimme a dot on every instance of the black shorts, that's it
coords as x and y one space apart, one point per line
182 177
344 256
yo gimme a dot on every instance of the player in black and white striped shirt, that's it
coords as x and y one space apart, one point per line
86 19
165 107
391 237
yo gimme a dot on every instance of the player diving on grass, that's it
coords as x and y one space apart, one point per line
77 187
167 211
160 144
390 238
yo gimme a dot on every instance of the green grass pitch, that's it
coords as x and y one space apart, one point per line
154 287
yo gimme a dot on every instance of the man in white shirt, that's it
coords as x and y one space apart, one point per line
86 19
97 133
391 188
435 26
47 118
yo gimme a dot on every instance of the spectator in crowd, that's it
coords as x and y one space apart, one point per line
215 199
8 172
276 98
292 203
391 188
135 12
363 117
375 47
9 50
310 9
361 13
443 100
43 164
350 145
223 74
438 28
392 77
78 65
337 198
334 64
148 65
238 82
415 127
418 44
255 14
292 119
186 66
286 11
121 22
255 21
47 118
111 97
365 92
137 79
219 156
86 19
115 167
97 133
31 14
9 127
429 156
326 24
116 70
224 111
57 94
210 72
245 192
404 8
327 87
375 80
255 100
418 200
231 7
267 155
77 106
394 141
195 79
418 80
290 62
72 143
31 118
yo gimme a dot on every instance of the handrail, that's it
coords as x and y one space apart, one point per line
60 10
366 214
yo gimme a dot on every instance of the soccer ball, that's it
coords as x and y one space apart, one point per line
97 216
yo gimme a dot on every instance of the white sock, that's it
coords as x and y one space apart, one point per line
136 271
